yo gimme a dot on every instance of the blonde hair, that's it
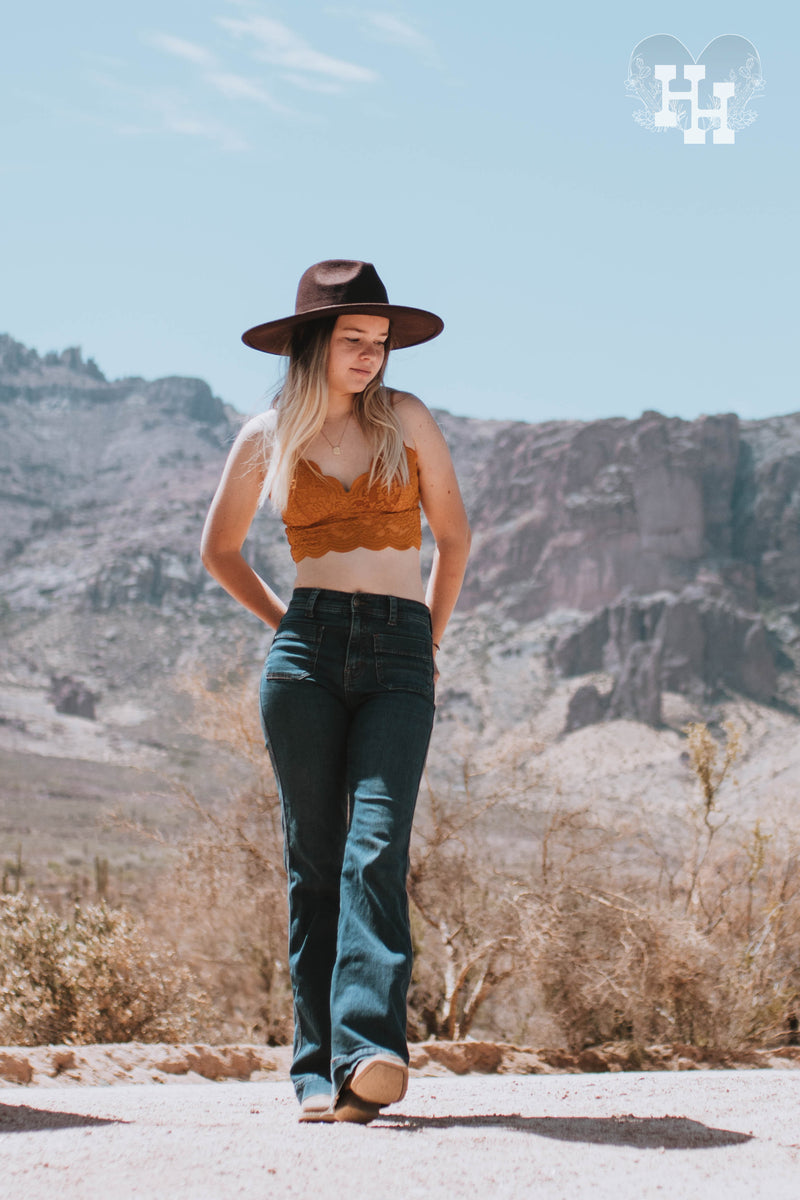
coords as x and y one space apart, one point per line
301 406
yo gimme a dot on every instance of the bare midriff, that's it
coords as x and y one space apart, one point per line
386 572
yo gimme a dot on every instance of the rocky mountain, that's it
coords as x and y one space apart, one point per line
617 564
106 485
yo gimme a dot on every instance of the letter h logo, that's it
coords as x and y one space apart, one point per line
667 117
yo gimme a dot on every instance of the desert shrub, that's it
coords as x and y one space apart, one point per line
706 952
223 906
686 932
465 919
222 903
93 977
225 896
612 971
612 968
465 935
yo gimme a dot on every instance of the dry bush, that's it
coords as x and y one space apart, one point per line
707 952
225 899
95 977
618 933
612 971
465 933
223 903
226 712
465 916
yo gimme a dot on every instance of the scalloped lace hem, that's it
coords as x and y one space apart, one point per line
309 545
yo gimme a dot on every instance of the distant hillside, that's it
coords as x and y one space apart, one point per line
106 486
617 565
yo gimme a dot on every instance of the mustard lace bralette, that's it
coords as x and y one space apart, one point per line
323 515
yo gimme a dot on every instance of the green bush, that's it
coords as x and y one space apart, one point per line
95 977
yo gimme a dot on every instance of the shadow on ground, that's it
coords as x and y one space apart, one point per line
21 1118
671 1133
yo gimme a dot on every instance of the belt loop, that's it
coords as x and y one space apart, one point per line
393 610
312 600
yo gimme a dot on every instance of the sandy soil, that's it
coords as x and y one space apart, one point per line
687 1134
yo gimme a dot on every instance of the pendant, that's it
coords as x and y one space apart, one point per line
336 449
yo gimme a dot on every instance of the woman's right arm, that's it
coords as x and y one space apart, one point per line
228 522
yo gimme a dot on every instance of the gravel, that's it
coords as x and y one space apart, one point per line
686 1134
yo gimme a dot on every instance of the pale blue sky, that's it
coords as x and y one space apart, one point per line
170 168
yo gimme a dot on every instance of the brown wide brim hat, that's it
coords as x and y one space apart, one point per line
338 286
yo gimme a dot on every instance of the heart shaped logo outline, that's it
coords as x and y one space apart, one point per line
728 59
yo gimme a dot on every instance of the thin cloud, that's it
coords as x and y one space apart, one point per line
313 85
180 48
399 33
162 110
203 127
269 41
387 28
175 118
237 87
281 47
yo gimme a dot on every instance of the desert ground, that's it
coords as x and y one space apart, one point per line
687 1134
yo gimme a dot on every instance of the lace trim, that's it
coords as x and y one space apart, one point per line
322 515
398 531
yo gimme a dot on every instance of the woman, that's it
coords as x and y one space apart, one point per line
347 694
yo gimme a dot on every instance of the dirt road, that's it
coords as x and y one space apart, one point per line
689 1134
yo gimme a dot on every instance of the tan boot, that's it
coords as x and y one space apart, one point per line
349 1107
382 1079
316 1108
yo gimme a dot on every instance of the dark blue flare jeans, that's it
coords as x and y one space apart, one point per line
347 710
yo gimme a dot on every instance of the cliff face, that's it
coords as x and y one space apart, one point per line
766 507
570 515
103 483
673 538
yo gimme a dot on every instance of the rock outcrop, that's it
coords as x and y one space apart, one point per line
73 698
673 538
568 515
691 643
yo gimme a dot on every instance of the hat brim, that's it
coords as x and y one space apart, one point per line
409 326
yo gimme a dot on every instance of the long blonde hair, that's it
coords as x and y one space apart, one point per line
301 406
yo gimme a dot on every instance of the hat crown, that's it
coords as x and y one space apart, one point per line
339 281
338 286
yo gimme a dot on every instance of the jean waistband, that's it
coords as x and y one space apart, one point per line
324 602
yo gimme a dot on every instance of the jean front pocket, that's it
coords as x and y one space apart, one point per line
294 650
404 663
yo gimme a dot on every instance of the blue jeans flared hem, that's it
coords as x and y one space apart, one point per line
347 708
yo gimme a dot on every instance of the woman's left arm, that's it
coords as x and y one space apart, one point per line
443 506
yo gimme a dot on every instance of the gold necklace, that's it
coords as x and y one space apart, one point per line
337 448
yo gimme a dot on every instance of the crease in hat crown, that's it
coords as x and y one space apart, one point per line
338 286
